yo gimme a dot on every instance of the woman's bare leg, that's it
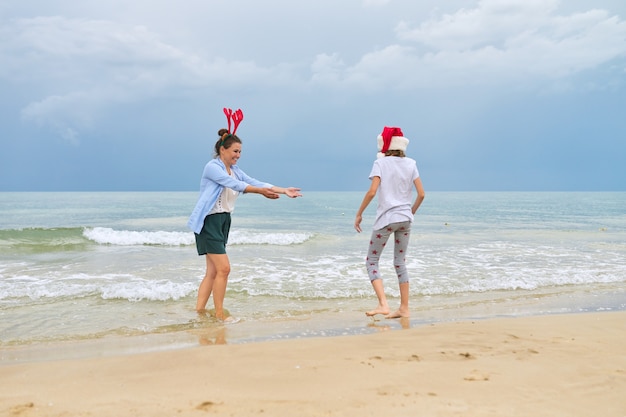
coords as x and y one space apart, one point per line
222 270
206 286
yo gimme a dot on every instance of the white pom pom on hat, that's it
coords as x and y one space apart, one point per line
391 139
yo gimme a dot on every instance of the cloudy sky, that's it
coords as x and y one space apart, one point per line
493 94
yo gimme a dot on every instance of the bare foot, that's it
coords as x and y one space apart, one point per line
378 310
399 314
230 320
221 315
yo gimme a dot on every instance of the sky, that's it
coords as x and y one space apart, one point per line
494 95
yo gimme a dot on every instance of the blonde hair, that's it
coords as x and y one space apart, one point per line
395 152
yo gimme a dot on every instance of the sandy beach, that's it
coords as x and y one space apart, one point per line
557 365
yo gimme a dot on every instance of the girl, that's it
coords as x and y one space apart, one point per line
393 177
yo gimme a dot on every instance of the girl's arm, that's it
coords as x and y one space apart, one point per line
420 194
367 199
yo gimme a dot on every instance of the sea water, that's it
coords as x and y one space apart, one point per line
119 267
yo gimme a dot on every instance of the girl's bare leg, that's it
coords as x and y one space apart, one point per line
383 307
403 311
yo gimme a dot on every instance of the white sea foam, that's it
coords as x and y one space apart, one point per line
109 236
107 286
141 289
242 237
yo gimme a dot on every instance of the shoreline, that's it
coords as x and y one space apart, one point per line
346 319
544 365
232 335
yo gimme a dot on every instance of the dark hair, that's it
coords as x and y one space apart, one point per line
395 152
226 140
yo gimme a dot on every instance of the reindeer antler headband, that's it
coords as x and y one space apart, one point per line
236 116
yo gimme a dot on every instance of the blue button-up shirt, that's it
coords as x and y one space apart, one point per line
214 179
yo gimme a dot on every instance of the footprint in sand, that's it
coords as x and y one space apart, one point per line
206 405
476 375
20 409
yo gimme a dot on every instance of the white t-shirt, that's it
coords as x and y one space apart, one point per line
395 193
226 201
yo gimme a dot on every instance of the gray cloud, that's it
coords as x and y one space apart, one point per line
128 72
503 41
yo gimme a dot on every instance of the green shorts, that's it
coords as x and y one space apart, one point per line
214 234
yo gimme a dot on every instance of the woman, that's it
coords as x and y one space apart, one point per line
222 181
393 177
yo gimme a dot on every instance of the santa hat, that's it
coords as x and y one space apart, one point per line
391 139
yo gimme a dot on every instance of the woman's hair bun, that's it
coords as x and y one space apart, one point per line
221 132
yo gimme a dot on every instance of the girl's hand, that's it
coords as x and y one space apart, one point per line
357 223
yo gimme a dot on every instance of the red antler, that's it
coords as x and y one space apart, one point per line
237 118
228 113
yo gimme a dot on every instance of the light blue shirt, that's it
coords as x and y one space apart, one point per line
214 179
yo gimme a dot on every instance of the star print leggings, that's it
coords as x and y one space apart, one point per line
401 232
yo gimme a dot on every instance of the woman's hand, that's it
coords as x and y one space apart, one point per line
273 192
292 192
269 193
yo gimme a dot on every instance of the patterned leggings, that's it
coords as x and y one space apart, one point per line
401 232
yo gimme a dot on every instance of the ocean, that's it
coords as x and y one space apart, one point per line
96 273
